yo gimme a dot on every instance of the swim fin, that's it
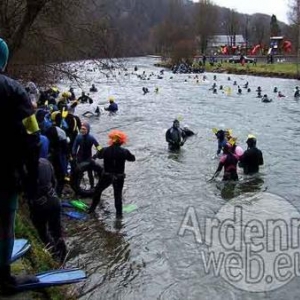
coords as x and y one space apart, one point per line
21 246
75 215
79 205
129 207
66 204
54 278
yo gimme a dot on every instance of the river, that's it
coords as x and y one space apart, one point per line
144 256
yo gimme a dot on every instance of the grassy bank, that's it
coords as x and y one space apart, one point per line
35 261
280 70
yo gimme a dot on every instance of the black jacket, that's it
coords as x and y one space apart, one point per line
114 158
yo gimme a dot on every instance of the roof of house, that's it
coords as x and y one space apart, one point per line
222 40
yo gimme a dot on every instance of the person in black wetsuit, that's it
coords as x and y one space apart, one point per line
252 157
114 167
175 136
85 99
20 154
93 89
45 211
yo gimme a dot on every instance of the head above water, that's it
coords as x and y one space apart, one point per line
176 123
220 134
251 140
4 54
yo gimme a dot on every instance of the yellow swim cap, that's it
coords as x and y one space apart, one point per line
66 94
54 89
251 136
232 141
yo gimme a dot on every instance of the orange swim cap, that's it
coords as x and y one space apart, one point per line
117 137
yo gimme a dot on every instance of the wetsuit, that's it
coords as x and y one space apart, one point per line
44 148
82 147
188 132
251 160
82 151
58 154
222 141
20 147
229 162
93 89
113 107
85 99
114 167
176 137
45 210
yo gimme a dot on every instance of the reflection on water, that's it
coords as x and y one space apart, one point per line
232 189
143 257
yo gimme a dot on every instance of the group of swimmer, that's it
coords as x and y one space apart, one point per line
264 98
231 155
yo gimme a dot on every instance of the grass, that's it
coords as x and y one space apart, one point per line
37 260
288 70
281 70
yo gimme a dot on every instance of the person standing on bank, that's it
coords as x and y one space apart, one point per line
114 157
20 161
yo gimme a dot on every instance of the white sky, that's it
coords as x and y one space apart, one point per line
277 7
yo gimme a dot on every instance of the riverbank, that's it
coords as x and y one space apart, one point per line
36 260
277 70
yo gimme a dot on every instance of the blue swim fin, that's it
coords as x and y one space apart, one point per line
54 278
66 204
75 215
21 246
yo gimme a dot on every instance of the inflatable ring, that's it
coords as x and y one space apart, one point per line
81 181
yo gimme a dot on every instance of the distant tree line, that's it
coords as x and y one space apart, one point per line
47 31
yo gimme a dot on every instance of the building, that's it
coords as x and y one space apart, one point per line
218 41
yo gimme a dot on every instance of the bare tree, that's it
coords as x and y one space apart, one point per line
205 28
260 33
232 26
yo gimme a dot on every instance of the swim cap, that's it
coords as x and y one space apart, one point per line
4 53
251 140
117 137
54 89
251 136
66 94
232 141
186 127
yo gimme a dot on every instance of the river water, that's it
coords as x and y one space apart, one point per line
144 256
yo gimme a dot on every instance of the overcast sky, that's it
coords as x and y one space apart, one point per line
277 7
